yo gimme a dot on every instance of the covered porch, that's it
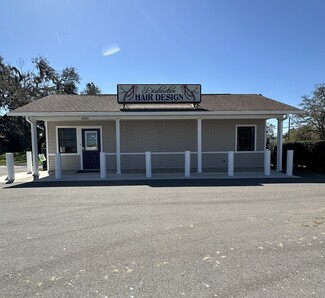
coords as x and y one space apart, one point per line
202 158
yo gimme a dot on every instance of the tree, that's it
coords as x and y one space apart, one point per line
270 136
50 81
19 87
16 86
301 133
314 107
91 89
16 89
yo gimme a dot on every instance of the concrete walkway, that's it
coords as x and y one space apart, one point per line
21 176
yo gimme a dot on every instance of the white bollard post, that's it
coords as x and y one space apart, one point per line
29 162
231 163
187 163
267 162
10 167
58 174
289 162
102 165
148 165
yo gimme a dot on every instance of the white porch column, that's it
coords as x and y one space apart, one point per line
58 170
199 145
118 146
187 163
289 162
148 164
10 167
279 145
230 163
29 162
267 162
34 146
47 147
102 156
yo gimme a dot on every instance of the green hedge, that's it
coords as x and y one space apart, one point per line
307 155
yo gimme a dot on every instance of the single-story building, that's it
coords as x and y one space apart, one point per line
166 120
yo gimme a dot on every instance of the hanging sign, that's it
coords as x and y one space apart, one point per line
142 93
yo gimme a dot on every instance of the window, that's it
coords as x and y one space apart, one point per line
67 140
245 138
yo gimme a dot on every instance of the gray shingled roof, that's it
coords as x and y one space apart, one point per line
108 103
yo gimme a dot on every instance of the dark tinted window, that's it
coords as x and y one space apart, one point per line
67 140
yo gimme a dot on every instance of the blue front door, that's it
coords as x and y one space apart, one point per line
90 149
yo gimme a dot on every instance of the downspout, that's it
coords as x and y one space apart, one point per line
34 145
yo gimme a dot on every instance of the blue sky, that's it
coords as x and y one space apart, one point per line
272 47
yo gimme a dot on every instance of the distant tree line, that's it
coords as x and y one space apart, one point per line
19 87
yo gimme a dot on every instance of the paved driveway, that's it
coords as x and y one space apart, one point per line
18 169
250 240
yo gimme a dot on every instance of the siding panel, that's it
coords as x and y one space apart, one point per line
219 135
68 163
249 160
215 162
158 136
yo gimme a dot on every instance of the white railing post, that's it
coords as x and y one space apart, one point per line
58 174
148 165
102 165
10 167
118 146
29 162
267 162
187 163
34 148
279 145
199 145
231 163
289 162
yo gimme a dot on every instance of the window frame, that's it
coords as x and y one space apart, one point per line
58 140
236 137
79 137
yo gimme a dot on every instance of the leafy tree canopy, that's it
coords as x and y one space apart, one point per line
314 107
270 136
301 133
19 87
91 89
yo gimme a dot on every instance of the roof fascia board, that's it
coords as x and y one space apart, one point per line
150 114
153 117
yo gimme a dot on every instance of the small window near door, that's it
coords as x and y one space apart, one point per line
67 138
245 138
91 143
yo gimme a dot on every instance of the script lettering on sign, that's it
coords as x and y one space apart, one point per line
141 93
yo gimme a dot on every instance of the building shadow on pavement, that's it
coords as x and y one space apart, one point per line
303 178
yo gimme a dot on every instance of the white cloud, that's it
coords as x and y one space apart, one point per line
110 51
59 40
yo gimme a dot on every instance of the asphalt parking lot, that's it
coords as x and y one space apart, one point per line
200 239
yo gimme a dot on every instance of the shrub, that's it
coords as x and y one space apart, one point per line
307 155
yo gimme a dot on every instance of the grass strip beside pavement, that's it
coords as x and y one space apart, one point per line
19 158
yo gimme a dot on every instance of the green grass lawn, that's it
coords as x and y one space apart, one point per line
19 158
